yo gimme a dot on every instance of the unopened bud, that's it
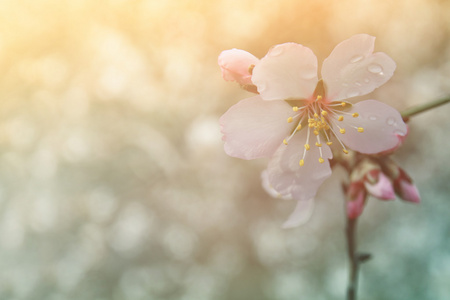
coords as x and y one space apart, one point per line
356 199
405 188
379 185
237 65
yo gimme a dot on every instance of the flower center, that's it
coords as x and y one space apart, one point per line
322 119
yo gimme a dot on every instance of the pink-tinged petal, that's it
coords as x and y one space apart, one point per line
301 214
401 140
269 188
409 192
254 128
288 71
289 178
382 187
235 65
352 69
382 126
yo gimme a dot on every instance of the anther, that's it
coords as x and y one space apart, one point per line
250 69
319 98
318 145
324 113
345 151
301 162
307 146
285 142
342 130
298 127
311 125
341 118
343 104
289 120
354 115
360 129
295 108
316 115
329 143
321 160
316 132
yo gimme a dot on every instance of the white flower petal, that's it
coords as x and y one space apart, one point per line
255 128
267 186
352 69
289 178
383 127
301 214
288 71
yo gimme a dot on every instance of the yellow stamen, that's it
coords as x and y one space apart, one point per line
250 69
301 162
360 129
321 160
329 143
354 115
285 142
311 125
345 151
298 127
341 118
319 98
318 145
295 108
316 115
342 130
316 132
324 113
289 120
343 104
307 146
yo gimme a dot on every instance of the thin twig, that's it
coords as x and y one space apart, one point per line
424 107
353 258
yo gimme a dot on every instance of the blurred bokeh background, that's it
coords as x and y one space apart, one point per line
114 183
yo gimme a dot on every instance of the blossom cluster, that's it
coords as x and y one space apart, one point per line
295 117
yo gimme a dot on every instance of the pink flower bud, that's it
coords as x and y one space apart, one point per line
356 194
379 185
405 189
237 65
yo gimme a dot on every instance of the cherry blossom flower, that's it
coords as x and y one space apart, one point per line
295 117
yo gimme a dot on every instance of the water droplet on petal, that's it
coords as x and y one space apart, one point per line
372 118
356 58
399 132
358 83
352 93
390 121
276 51
375 68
